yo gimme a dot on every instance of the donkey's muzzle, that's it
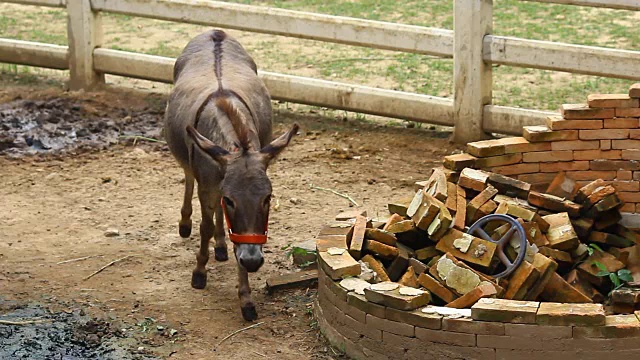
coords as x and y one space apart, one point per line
252 264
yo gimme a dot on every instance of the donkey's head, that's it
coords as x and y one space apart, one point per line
246 193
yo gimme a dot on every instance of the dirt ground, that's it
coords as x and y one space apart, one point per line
58 207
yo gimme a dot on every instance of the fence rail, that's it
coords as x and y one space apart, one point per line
610 4
477 49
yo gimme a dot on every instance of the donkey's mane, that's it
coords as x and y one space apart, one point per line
236 119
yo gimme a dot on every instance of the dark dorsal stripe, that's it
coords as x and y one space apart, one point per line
218 37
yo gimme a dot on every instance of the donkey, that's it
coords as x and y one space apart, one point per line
218 127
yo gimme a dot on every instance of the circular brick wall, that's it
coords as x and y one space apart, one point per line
516 330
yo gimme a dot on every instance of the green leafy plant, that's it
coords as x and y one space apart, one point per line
592 247
294 250
618 278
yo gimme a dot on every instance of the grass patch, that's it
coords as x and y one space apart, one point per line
513 86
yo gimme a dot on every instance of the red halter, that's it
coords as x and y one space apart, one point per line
258 239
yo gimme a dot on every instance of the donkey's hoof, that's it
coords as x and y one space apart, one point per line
198 280
249 312
221 253
184 230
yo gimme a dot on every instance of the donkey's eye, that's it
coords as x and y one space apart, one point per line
228 202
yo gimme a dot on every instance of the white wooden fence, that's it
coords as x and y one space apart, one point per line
473 48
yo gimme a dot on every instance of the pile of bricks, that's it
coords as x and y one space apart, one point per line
597 140
572 235
417 282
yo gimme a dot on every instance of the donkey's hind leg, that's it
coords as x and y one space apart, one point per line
184 226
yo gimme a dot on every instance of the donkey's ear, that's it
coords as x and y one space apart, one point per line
276 146
217 153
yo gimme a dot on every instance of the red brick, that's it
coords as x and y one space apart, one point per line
468 326
564 166
501 160
485 148
583 111
415 318
519 145
576 144
637 208
547 156
605 144
538 331
446 337
612 101
625 144
591 175
538 178
630 154
626 185
607 165
360 302
393 327
629 207
558 123
636 175
501 310
597 154
628 112
570 314
616 326
360 328
634 133
458 162
509 342
629 197
603 134
624 175
634 90
355 313
541 133
517 169
621 123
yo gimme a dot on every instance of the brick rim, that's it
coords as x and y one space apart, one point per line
370 334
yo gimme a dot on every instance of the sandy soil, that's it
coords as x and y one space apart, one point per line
56 208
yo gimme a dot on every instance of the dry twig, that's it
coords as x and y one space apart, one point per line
77 259
24 322
337 193
138 137
106 266
238 331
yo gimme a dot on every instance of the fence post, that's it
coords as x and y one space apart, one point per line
84 29
472 20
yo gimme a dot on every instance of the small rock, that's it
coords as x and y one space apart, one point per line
112 233
295 201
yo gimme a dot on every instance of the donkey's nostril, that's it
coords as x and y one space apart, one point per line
261 261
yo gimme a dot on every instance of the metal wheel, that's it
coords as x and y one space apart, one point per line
477 230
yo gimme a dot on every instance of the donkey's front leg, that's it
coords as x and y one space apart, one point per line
220 248
244 292
207 205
